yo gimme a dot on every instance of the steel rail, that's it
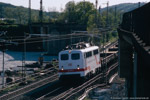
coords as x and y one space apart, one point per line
75 91
61 95
89 89
69 93
109 45
44 96
36 75
64 95
21 91
72 91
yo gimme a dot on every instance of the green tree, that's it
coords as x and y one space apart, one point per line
91 23
78 13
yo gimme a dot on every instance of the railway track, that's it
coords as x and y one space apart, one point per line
72 92
109 46
67 94
56 94
61 92
86 85
88 89
44 96
15 94
27 78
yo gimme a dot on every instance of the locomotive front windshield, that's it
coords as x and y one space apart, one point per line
75 56
95 52
64 56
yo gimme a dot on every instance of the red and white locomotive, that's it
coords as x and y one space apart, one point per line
79 60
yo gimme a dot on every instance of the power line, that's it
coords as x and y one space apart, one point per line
48 36
54 39
59 36
50 40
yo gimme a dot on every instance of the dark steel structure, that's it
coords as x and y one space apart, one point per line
134 51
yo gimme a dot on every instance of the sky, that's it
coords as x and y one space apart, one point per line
58 4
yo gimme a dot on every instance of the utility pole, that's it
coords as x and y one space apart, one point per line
69 14
100 17
3 70
1 12
41 15
139 4
41 11
100 9
84 6
115 15
3 74
24 58
29 12
107 14
105 42
104 39
29 21
3 44
84 10
96 3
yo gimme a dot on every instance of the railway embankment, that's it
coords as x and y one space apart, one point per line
115 90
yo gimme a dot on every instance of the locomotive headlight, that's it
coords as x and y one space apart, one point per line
62 68
78 67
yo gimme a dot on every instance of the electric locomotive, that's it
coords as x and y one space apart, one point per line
79 60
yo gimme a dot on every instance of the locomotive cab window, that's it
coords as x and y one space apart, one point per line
95 52
64 56
88 54
75 56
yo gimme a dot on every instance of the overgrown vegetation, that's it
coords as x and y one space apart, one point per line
83 14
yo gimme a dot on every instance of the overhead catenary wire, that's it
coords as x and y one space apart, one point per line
15 36
46 36
55 36
39 37
47 40
49 37
52 36
52 39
